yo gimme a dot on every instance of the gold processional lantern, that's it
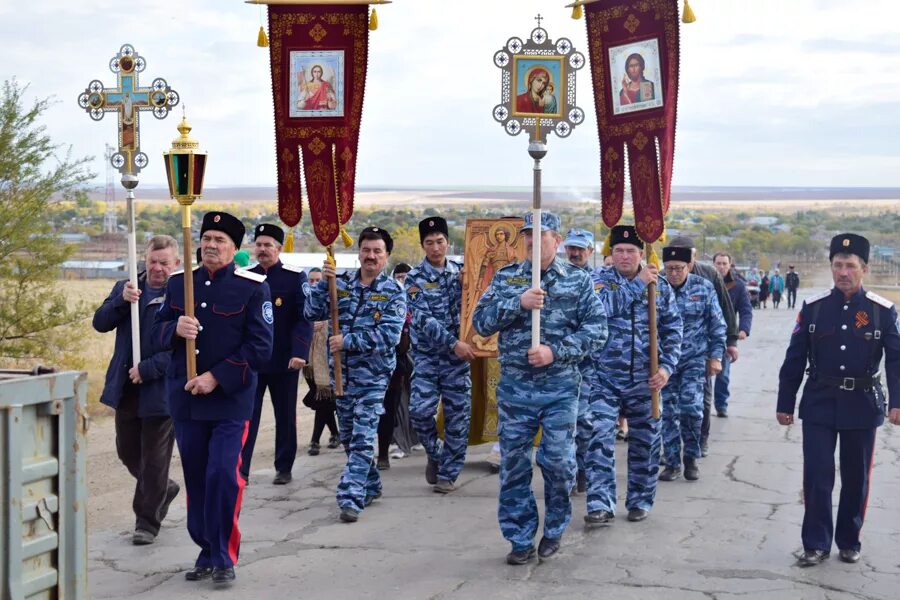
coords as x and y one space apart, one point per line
185 167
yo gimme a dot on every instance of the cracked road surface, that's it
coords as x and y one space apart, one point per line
729 535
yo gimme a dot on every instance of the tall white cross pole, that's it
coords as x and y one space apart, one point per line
128 100
537 150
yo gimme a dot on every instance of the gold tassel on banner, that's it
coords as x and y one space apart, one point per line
607 251
653 257
577 12
289 241
345 237
688 15
262 40
373 21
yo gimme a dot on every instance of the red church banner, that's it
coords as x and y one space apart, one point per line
633 47
318 55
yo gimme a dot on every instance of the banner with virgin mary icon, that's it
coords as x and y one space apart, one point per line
318 56
633 45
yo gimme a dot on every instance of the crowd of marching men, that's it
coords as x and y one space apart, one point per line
373 346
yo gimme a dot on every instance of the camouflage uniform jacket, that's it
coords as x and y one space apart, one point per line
573 322
435 301
625 361
371 318
704 325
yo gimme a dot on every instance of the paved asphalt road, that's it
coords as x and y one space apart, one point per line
731 534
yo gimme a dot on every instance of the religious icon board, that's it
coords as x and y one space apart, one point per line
537 92
635 72
491 244
317 89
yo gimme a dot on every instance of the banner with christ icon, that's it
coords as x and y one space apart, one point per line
318 56
634 47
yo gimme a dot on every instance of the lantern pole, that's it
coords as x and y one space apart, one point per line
185 166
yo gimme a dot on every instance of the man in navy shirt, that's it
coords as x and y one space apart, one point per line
233 334
841 335
290 352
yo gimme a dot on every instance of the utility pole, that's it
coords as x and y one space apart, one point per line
110 225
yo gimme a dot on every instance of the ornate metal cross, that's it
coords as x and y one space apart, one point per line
128 100
539 18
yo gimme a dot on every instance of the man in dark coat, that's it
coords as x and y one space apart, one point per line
211 412
740 299
841 335
144 435
290 351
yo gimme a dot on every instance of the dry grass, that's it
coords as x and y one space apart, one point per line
93 350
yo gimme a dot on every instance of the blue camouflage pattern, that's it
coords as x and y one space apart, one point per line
371 319
704 331
573 324
435 302
620 385
585 424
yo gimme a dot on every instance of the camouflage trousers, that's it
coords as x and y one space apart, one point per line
439 377
519 418
585 425
682 400
358 412
643 448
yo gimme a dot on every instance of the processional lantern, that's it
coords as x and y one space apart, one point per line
185 168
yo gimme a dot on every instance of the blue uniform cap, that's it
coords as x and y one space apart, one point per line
580 238
549 221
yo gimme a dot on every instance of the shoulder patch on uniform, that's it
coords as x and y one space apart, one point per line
267 314
819 296
879 300
250 275
293 268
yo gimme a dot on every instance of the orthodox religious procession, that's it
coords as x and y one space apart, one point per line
604 350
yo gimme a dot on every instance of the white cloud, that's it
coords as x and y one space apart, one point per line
769 90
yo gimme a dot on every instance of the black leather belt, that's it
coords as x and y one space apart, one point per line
849 383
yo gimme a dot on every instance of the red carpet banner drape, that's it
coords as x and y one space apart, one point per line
318 56
634 65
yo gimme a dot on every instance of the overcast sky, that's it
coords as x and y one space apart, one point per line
772 93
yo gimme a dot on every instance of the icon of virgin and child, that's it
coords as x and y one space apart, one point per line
539 92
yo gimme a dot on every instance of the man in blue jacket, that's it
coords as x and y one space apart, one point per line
740 299
233 333
144 435
539 384
372 310
290 351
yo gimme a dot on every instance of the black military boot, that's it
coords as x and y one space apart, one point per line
670 473
691 471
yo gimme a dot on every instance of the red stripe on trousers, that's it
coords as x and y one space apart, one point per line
234 540
869 478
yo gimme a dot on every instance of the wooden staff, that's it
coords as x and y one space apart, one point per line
335 326
187 259
654 347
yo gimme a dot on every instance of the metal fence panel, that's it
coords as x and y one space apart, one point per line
43 526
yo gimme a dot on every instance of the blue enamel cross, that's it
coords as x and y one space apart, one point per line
128 100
